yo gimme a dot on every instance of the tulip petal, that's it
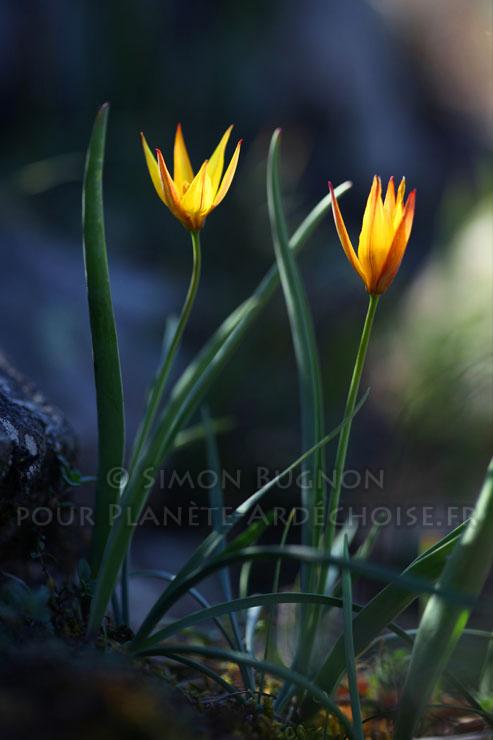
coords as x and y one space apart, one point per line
369 214
399 207
401 191
389 202
367 240
182 168
171 196
194 197
207 193
228 176
216 162
153 168
344 236
398 247
375 237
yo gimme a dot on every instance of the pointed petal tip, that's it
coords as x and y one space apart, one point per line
411 198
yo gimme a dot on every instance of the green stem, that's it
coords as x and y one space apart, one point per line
158 388
157 391
327 539
343 443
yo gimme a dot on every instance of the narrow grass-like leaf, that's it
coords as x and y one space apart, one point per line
348 530
196 433
231 607
305 348
270 631
164 575
331 584
366 548
443 623
244 580
363 552
311 397
205 550
187 394
216 505
107 373
253 615
275 670
351 667
486 678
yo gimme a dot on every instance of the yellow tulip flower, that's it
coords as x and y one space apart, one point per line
384 234
189 197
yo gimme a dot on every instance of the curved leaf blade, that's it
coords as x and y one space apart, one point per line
107 372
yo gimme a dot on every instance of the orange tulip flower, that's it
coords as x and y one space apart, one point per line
189 197
384 234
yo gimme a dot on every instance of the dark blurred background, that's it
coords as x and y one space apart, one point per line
359 88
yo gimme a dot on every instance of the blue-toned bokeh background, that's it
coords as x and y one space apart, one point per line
358 88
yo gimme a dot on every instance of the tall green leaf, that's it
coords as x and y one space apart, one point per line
107 373
216 505
443 623
349 647
307 361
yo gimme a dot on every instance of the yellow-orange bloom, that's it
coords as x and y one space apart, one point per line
191 197
384 234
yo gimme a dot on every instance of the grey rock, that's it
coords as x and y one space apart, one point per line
35 444
35 439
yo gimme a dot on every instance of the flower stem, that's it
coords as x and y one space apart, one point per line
327 539
157 390
343 443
